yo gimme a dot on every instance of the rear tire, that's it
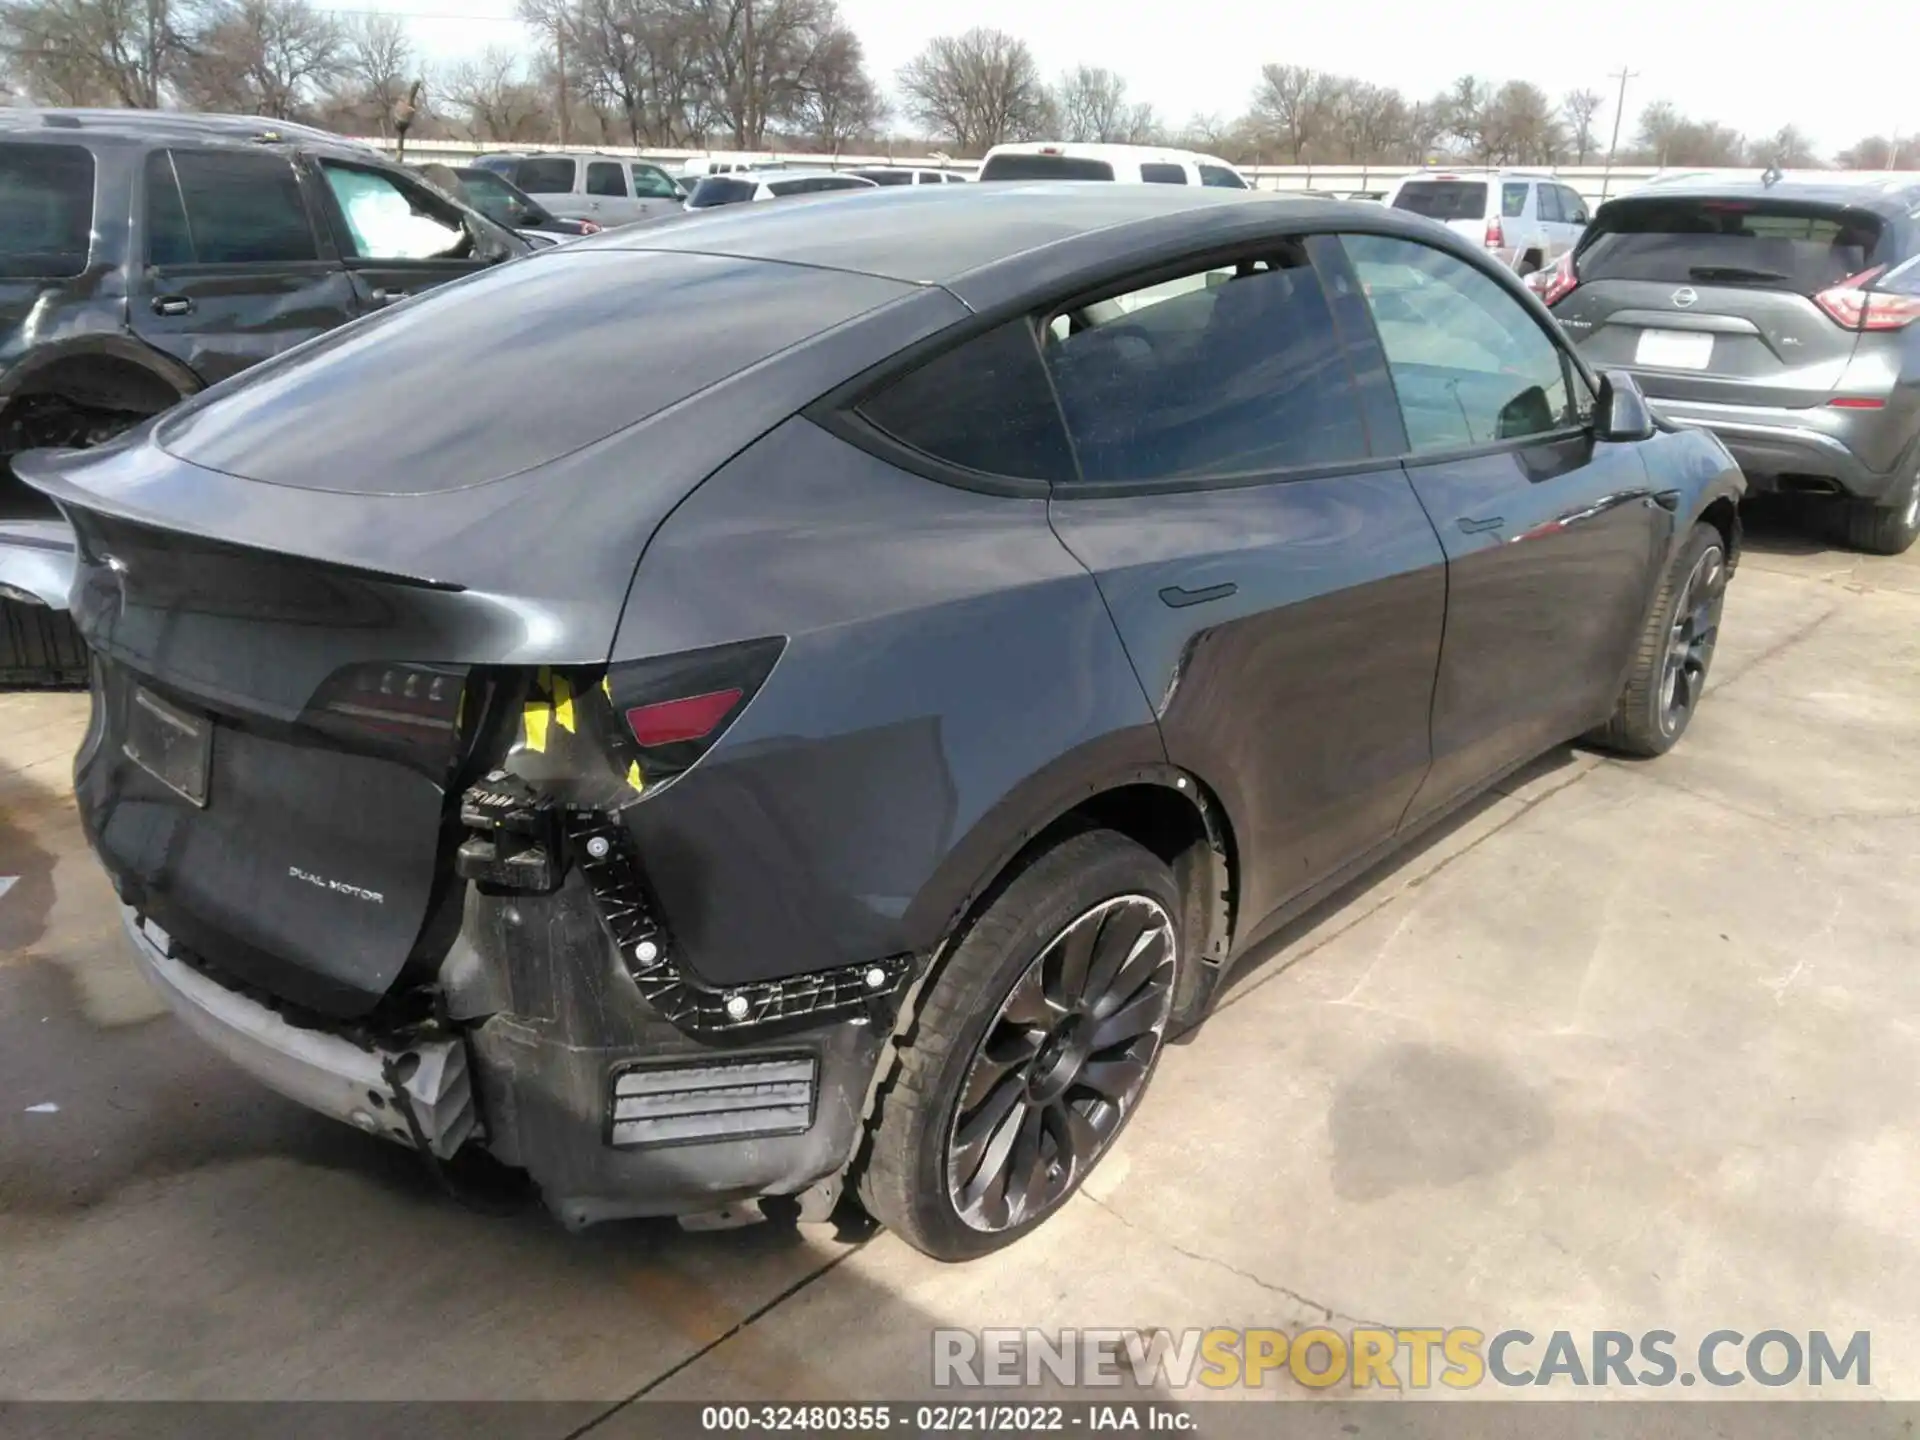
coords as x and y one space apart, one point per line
1030 1051
1670 664
39 648
1879 529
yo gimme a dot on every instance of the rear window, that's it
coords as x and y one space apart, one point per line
1045 167
888 177
814 184
1443 199
1159 173
720 190
46 193
434 394
551 176
1775 245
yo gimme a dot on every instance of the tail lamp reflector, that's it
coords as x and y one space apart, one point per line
670 722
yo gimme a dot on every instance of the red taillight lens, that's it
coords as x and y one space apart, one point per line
1496 237
1856 402
670 722
1558 282
1853 305
414 710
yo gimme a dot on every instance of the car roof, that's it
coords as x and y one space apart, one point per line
1887 194
1120 154
938 234
769 176
170 125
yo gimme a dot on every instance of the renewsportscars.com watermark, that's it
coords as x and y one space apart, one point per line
1369 1357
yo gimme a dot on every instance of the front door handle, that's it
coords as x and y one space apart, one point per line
1179 597
1480 527
390 297
172 305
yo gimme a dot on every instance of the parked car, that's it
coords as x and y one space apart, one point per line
1134 164
1525 219
1779 314
908 175
610 190
724 164
620 777
743 186
505 203
146 255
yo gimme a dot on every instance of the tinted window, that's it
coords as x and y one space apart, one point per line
1044 167
1550 204
494 198
814 184
492 375
720 190
387 220
887 177
604 177
1573 210
1470 365
1220 177
46 193
985 406
1513 200
1161 174
652 183
243 208
1769 244
1443 199
1222 372
168 240
549 175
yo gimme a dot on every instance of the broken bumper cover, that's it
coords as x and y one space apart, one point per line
323 1071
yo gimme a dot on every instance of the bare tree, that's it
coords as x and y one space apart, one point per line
1788 147
978 90
1581 108
1877 152
496 99
93 52
1091 103
838 100
264 56
1293 107
1666 137
377 69
1520 126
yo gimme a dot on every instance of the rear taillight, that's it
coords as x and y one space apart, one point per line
1496 237
411 709
1555 283
677 706
1853 305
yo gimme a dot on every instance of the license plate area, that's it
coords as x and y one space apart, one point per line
1674 349
173 745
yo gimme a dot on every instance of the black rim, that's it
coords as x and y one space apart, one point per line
1062 1064
1696 626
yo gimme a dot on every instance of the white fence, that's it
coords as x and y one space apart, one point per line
1594 182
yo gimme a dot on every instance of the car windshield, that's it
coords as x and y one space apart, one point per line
46 195
1768 244
1045 167
1443 199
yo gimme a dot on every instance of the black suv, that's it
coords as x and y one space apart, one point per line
1779 314
145 256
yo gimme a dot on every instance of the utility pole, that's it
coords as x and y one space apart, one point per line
1613 145
560 64
748 138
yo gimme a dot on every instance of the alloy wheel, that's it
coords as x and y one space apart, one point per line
1696 628
1062 1064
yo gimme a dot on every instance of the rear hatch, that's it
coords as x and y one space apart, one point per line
316 594
1713 300
1460 205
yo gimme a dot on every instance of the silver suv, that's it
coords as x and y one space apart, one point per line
607 189
1525 218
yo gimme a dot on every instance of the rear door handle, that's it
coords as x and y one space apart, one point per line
390 297
1480 527
172 305
1179 597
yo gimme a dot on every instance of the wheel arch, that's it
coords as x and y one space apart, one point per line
120 372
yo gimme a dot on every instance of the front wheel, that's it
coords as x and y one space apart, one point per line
1031 1049
1676 648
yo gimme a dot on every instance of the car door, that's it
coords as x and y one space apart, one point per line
399 238
1552 227
1551 535
235 269
609 198
1276 583
1573 217
654 191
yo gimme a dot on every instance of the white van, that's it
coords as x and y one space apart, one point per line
725 163
1133 164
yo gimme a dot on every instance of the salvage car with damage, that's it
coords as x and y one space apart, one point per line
842 748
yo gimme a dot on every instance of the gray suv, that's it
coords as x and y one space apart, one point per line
610 190
1779 314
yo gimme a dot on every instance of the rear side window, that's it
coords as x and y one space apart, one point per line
46 193
652 183
889 177
1469 364
1572 208
604 177
1045 167
552 175
814 184
984 405
1157 173
1550 205
1221 178
1444 199
1230 371
720 190
243 208
390 220
1778 245
1513 200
